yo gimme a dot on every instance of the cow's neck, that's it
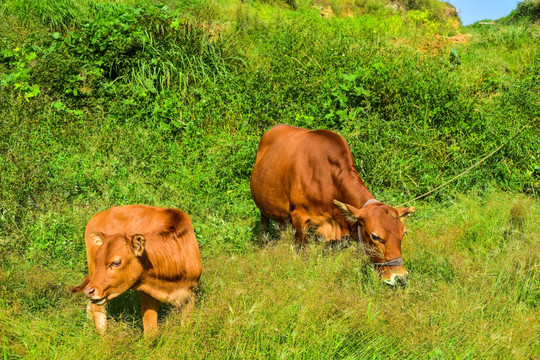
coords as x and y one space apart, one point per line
353 191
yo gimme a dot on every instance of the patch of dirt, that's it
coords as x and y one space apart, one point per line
348 12
326 11
451 14
438 43
435 44
459 39
212 30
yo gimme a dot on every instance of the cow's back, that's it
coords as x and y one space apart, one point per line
171 241
279 140
297 167
136 219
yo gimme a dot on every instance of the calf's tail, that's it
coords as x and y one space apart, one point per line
81 287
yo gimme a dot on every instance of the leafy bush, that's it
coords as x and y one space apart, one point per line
527 10
146 44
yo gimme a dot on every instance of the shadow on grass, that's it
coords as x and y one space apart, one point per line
280 231
127 308
261 238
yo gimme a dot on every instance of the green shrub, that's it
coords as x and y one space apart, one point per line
527 10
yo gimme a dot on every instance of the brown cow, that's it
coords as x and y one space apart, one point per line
310 178
149 249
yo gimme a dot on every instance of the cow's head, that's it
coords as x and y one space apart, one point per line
117 266
381 230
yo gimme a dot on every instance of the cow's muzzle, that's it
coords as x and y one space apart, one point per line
101 301
90 293
398 277
397 280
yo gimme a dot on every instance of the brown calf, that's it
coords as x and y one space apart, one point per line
145 248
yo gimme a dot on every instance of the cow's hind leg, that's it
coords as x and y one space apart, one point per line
265 222
149 309
99 314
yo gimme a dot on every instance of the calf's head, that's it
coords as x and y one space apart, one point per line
381 230
117 266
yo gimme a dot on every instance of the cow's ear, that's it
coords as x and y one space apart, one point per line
348 210
137 244
405 212
96 238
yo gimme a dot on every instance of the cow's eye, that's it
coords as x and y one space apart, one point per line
116 263
376 237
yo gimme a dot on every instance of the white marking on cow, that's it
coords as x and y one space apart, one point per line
392 281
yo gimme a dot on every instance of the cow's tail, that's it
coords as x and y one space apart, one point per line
81 287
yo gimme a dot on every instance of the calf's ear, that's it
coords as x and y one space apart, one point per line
405 212
137 244
96 238
348 210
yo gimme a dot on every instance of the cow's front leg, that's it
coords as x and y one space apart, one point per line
99 314
149 309
300 222
329 230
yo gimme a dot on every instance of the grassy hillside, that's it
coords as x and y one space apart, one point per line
111 103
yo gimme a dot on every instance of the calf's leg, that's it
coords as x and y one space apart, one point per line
149 309
99 313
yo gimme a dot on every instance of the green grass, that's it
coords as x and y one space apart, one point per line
105 104
474 293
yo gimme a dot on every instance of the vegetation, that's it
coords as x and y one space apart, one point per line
111 103
526 12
